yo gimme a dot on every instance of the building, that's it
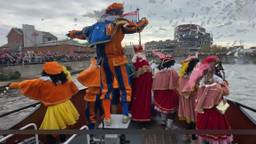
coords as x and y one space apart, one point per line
192 37
27 36
167 46
28 45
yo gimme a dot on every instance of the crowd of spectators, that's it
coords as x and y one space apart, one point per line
9 57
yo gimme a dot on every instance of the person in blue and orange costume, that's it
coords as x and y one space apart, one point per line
106 35
90 78
164 86
187 99
54 90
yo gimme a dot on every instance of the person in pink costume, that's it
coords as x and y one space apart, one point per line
187 99
210 94
164 87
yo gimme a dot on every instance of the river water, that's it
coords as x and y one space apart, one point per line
242 87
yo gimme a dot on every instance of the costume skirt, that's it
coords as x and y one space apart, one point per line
212 119
60 116
166 101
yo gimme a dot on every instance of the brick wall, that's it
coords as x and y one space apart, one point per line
15 40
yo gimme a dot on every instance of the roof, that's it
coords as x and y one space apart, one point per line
47 34
18 30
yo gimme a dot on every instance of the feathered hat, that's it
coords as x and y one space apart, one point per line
185 64
52 68
201 68
115 9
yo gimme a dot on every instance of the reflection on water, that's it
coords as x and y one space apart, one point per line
241 79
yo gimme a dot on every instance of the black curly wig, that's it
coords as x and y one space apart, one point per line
191 66
58 78
166 64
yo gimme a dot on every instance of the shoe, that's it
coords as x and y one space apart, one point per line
194 142
125 119
107 122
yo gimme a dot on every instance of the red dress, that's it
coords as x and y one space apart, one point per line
165 94
141 91
207 115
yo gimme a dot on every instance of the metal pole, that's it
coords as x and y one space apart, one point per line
138 10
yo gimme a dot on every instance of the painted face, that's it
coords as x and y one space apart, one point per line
208 79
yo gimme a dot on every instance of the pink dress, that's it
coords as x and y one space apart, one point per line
208 117
186 102
141 91
165 94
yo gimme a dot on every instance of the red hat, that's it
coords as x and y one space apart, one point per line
210 59
137 48
52 68
162 56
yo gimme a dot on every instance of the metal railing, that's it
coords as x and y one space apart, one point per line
74 135
25 127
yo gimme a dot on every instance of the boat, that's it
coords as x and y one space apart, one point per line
237 117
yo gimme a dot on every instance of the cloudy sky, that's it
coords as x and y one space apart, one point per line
231 22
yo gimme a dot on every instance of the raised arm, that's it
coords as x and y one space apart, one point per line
82 34
132 27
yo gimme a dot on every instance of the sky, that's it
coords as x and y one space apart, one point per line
231 22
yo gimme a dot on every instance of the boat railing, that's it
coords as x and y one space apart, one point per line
74 135
24 127
243 106
20 109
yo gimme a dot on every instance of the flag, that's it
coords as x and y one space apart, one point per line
132 16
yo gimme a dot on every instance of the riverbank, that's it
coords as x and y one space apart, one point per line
32 71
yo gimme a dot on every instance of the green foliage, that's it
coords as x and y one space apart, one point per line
9 76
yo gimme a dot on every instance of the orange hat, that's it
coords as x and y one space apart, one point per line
52 68
115 6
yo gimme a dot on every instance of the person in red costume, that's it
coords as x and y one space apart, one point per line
141 87
106 35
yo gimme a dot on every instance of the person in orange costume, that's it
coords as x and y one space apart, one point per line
54 90
106 35
90 78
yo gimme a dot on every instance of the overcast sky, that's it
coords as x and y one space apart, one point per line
231 22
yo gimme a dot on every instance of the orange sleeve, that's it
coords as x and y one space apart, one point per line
132 27
30 88
90 77
73 87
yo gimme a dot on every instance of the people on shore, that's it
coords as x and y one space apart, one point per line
141 87
54 90
164 87
106 35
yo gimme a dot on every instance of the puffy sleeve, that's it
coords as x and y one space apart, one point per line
173 79
132 27
73 87
225 88
90 77
29 88
79 34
